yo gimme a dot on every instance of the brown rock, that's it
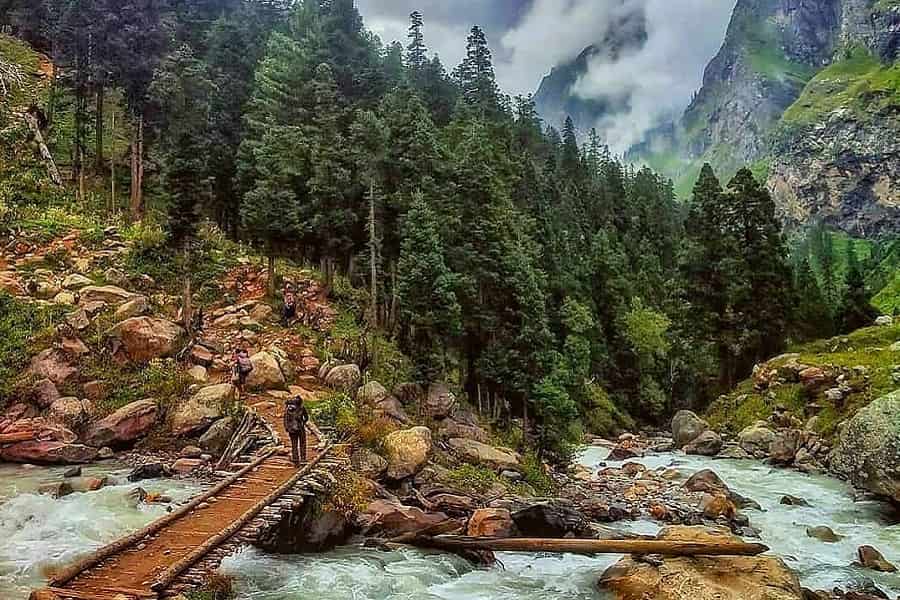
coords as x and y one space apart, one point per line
145 338
137 306
74 347
106 293
183 466
491 522
392 518
478 453
125 425
714 506
52 364
815 378
201 356
95 390
45 393
871 558
407 451
69 411
57 489
11 285
266 374
701 578
439 402
40 452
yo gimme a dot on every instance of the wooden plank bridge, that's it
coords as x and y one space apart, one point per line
179 551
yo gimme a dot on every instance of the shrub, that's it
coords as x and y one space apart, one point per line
474 478
25 329
536 475
349 495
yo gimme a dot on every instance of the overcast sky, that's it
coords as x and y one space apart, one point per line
529 37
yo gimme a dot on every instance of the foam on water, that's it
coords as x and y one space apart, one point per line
38 532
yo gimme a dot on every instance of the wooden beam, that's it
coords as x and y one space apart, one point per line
577 546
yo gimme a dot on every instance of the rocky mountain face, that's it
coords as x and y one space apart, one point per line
557 97
807 92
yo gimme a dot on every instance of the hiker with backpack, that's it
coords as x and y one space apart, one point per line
295 419
243 366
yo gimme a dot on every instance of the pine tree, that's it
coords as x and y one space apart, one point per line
431 314
856 311
416 52
183 90
571 157
475 74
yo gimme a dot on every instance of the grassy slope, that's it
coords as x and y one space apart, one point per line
858 83
869 348
20 55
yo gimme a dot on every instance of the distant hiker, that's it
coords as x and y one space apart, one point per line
242 369
290 305
295 420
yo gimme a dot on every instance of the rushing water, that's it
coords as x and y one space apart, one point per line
38 531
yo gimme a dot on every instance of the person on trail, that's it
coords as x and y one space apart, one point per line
242 368
295 419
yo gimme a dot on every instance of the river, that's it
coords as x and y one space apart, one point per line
39 531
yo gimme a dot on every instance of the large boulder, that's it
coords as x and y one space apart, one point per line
11 285
868 449
218 436
143 339
407 451
125 425
266 373
722 578
76 281
109 294
369 464
439 402
345 378
390 408
392 519
204 407
478 453
491 522
52 364
69 411
756 438
707 443
371 393
137 306
784 446
686 427
552 520
44 393
451 428
48 453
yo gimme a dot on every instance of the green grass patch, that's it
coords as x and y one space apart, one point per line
25 330
474 478
858 83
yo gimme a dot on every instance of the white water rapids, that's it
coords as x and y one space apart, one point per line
37 531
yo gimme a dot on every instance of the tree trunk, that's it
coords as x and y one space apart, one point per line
392 318
137 172
98 128
525 418
373 258
33 124
187 310
271 273
112 169
587 546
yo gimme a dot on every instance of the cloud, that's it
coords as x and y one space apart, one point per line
659 78
550 33
529 37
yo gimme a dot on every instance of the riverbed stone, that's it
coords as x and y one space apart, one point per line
204 407
407 451
686 427
868 448
48 453
756 438
491 522
218 436
393 519
872 559
127 424
680 578
707 443
823 533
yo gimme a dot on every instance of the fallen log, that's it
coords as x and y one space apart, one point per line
19 436
581 546
45 152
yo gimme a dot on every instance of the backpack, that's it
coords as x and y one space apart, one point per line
244 363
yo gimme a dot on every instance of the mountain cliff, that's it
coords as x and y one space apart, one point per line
809 93
557 97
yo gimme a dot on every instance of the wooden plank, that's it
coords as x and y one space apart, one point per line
165 578
62 577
